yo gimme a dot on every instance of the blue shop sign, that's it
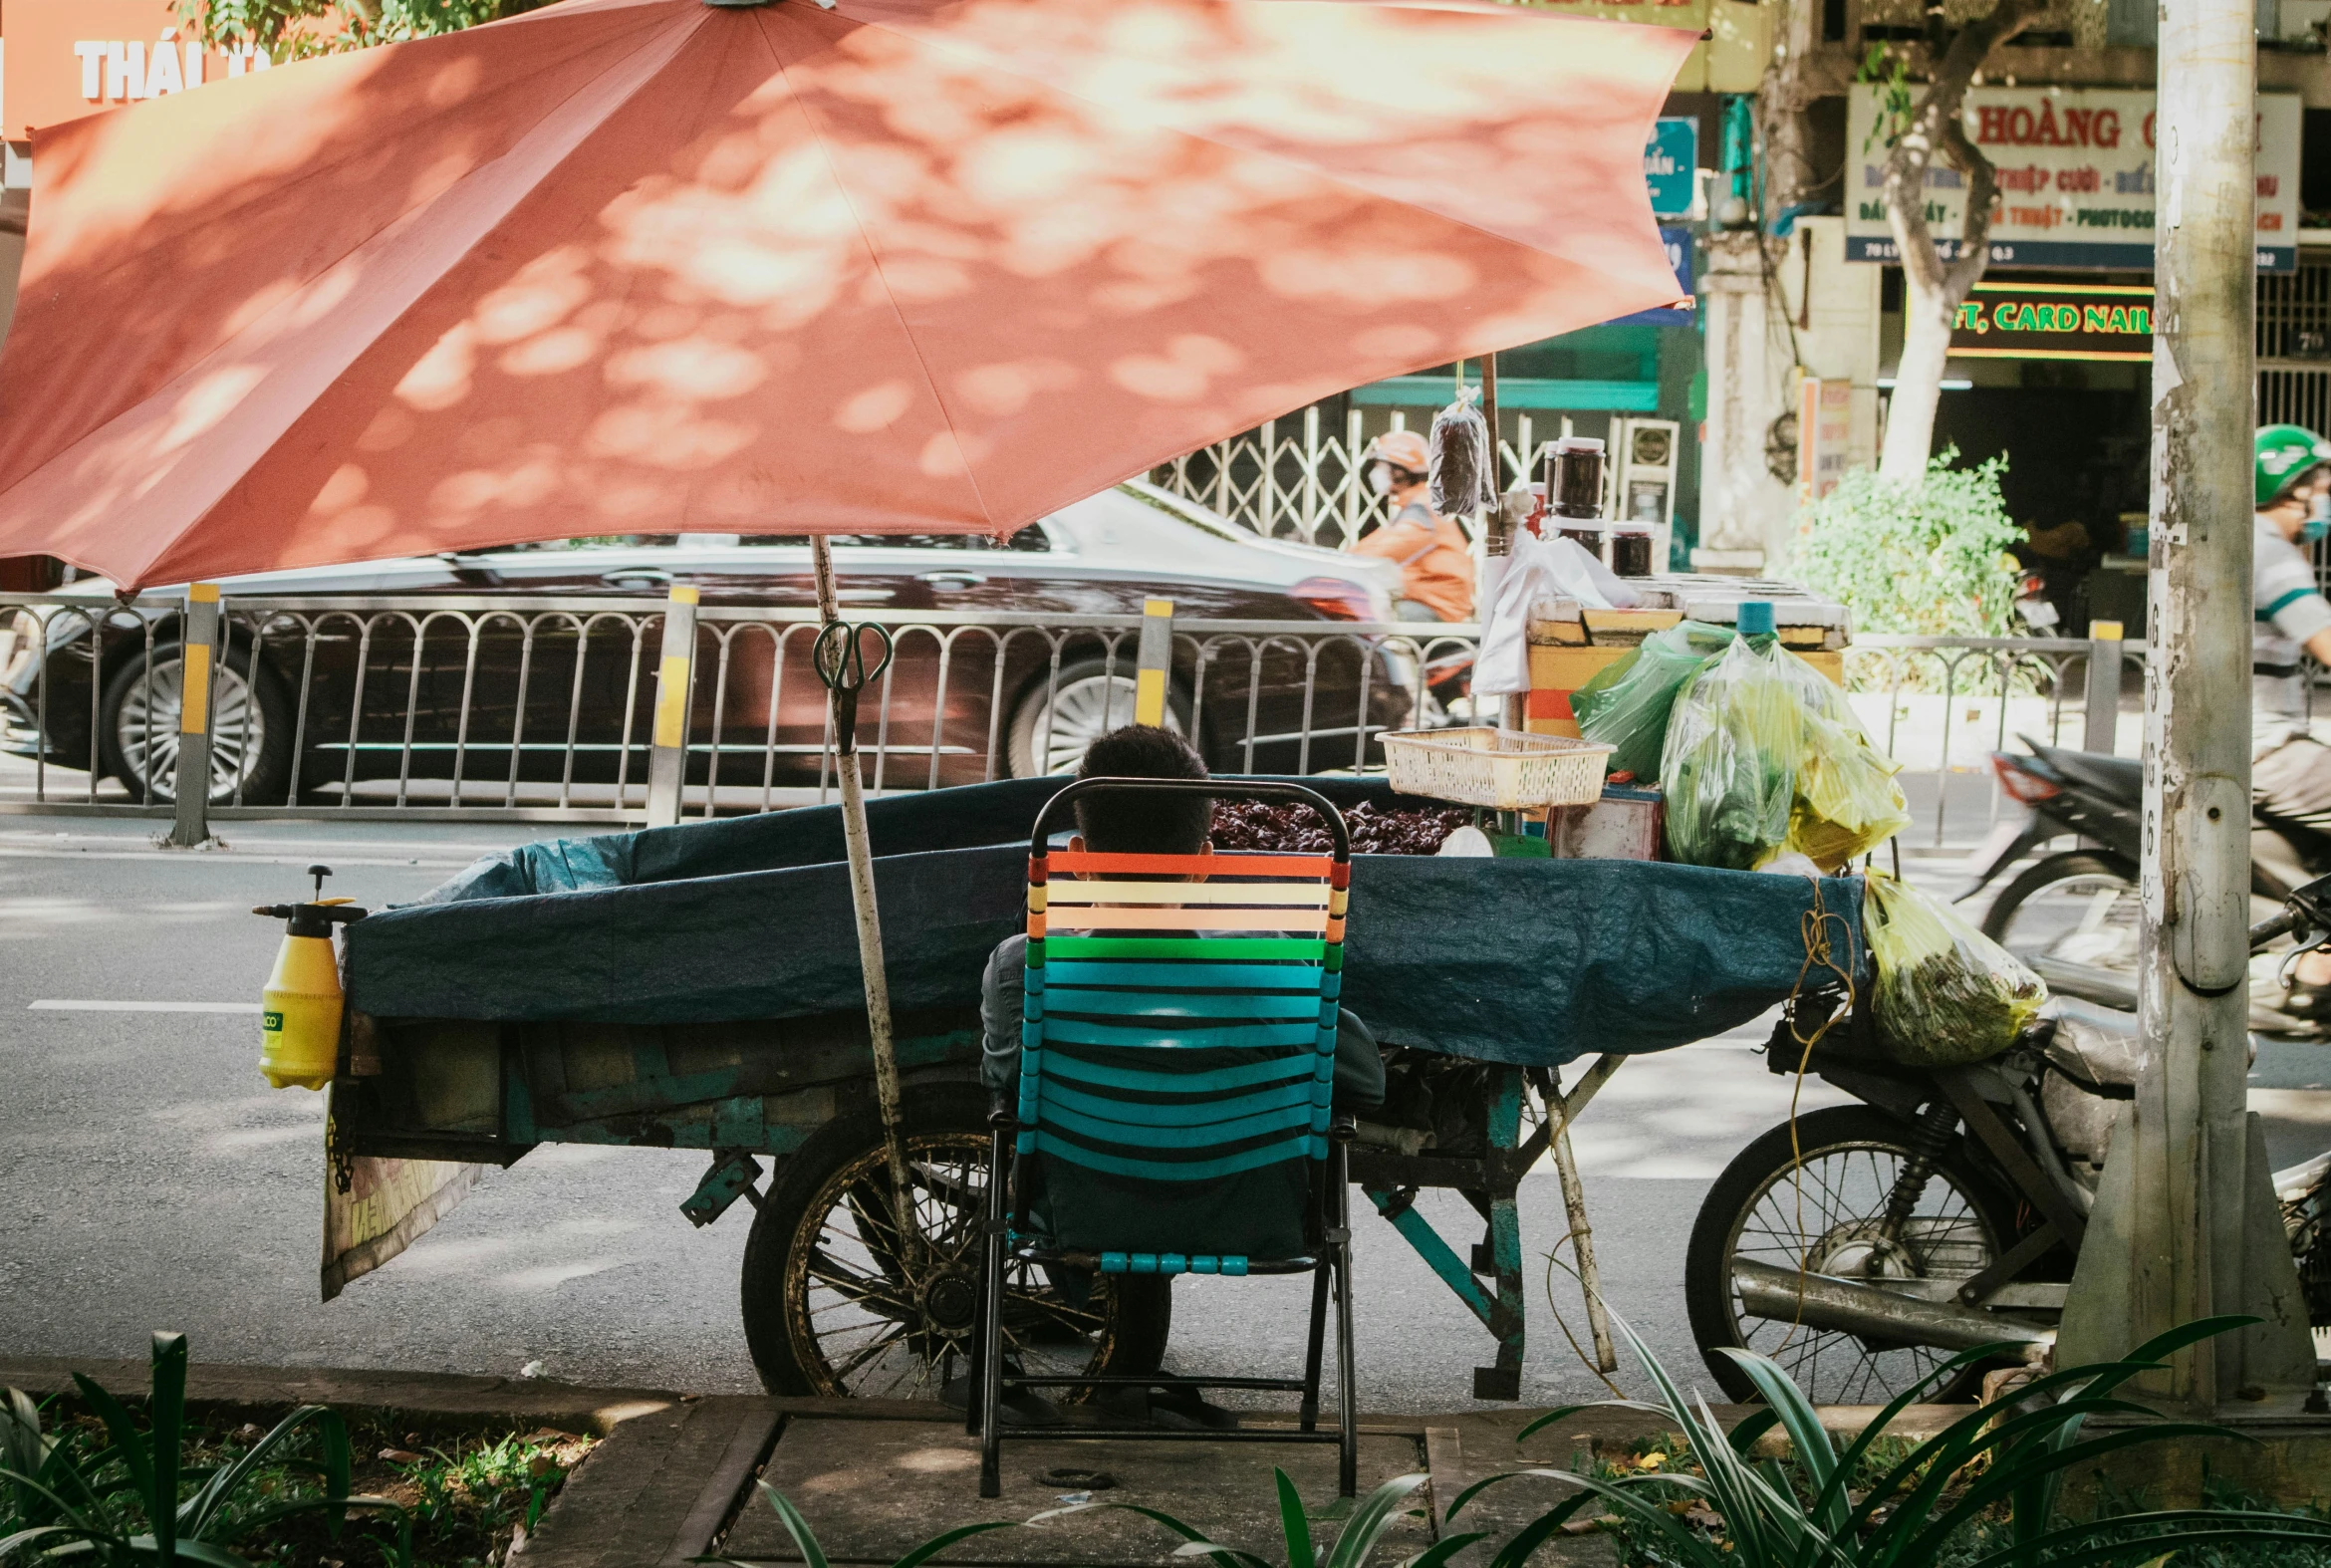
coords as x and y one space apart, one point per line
1670 165
1678 243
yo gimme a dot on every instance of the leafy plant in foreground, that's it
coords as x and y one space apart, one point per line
71 1510
1910 1517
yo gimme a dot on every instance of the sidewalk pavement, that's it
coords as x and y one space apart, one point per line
674 1477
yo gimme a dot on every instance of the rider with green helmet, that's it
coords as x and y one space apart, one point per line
2290 771
2292 476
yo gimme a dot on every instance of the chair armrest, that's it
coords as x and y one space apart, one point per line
1003 1121
1344 1127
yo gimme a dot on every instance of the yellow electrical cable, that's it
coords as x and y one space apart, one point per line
1820 953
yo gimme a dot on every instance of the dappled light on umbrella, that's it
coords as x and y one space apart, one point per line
652 265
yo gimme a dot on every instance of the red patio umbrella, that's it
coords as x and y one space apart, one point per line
624 266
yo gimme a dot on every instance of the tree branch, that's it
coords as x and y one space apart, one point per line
1935 128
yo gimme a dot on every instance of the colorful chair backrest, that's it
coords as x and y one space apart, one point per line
1179 1030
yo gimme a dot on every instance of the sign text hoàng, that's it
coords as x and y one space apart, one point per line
2075 170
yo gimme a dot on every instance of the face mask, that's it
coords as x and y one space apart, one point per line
2318 521
1380 478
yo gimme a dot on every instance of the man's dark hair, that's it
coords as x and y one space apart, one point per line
1137 821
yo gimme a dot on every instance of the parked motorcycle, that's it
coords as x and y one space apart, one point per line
1864 1245
2036 614
2072 915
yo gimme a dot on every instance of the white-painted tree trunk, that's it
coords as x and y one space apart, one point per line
1918 380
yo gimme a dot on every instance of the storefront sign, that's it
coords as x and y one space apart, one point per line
2076 172
1670 165
1825 432
2045 321
68 58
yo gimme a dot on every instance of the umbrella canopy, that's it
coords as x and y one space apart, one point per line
898 266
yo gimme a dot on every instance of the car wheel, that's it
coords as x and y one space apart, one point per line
250 732
1059 720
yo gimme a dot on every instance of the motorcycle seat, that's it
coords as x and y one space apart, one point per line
2096 1045
2117 778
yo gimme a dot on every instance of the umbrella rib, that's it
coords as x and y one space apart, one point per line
874 254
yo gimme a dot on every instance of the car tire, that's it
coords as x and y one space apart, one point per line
1094 698
251 735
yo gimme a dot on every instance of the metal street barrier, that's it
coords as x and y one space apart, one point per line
617 710
1949 701
497 707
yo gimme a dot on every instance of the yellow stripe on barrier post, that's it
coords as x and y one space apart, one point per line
1156 662
194 707
672 700
667 760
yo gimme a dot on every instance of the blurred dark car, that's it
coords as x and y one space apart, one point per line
409 693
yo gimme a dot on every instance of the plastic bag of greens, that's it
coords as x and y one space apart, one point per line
1729 763
1946 994
1627 702
1847 801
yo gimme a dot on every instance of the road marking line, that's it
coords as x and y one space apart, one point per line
54 1005
223 857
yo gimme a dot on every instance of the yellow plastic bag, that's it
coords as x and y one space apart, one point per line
1946 994
1847 801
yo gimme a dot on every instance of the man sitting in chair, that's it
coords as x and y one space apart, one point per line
1143 825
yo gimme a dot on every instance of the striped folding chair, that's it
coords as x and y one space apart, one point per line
1176 1061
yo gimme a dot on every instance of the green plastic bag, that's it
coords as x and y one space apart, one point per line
1946 994
1730 764
1626 704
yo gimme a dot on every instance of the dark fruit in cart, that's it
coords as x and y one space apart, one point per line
1293 827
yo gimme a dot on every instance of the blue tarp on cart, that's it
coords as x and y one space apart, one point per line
1522 961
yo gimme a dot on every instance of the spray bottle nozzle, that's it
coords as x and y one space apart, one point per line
316 916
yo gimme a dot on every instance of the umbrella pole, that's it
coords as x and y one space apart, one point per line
869 939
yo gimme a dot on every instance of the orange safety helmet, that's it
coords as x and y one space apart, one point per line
1395 450
1401 449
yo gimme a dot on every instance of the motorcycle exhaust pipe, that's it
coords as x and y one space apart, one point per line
1820 1301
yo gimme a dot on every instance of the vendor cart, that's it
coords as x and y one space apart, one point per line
699 987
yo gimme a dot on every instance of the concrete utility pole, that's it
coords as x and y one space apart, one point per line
2186 1225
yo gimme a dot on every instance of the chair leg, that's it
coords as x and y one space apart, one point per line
990 1385
1309 1417
1347 1394
978 1351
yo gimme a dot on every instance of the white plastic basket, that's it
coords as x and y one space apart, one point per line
1502 768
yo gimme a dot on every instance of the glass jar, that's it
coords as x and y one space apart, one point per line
1631 551
1574 478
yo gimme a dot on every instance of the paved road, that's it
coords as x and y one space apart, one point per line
149 1179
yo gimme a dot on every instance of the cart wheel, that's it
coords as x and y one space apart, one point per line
1827 1216
829 1308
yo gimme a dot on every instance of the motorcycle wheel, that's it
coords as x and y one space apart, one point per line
1827 1223
2080 906
829 1309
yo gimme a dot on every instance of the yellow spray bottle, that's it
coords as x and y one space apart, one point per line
301 1006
